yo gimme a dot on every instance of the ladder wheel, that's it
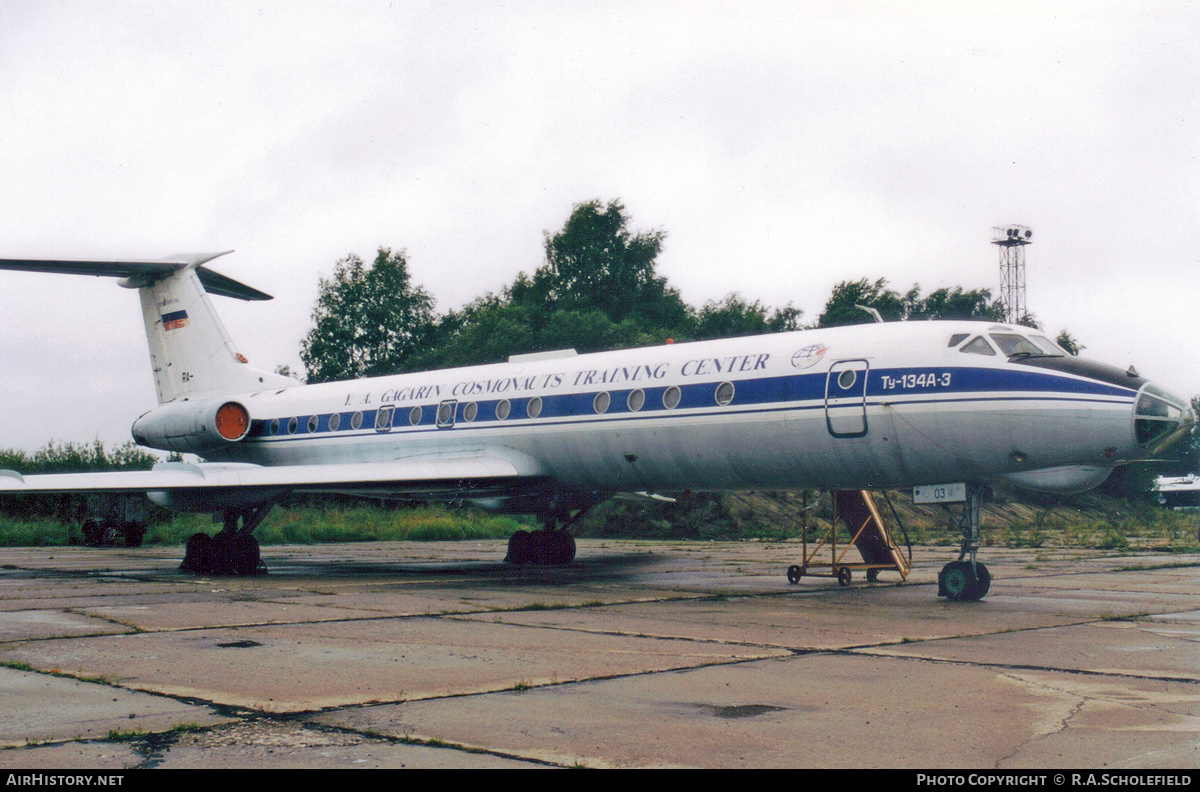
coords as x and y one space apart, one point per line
843 576
794 574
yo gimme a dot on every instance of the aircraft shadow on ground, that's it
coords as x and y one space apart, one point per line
493 573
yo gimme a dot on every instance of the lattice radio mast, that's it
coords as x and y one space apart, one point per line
1012 239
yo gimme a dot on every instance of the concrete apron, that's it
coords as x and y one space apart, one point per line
638 654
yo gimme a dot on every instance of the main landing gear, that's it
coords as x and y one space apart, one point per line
232 551
552 545
964 580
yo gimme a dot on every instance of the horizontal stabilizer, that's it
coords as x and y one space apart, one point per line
140 273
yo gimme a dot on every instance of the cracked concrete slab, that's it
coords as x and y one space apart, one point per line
823 710
75 755
316 665
639 654
1117 647
41 624
41 708
285 745
837 619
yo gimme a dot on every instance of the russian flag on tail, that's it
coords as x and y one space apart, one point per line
174 320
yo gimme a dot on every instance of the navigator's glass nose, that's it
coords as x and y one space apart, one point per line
1160 419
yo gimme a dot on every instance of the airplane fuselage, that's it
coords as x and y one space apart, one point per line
868 406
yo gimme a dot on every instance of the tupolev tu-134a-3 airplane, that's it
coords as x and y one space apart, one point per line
863 407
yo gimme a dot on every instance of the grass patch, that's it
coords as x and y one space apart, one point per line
1089 521
298 525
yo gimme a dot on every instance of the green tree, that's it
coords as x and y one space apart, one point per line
368 321
945 303
1068 342
486 330
597 289
733 316
956 303
841 308
596 262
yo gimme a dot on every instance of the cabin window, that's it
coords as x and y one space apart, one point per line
383 419
292 424
534 407
335 421
445 413
470 412
356 421
846 379
414 416
979 346
601 402
1012 344
636 400
313 423
274 426
502 409
957 339
724 393
671 397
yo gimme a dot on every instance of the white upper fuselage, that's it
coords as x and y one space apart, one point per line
879 405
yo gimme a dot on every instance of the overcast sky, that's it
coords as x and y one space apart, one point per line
783 147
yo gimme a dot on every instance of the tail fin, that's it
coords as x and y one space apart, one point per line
190 351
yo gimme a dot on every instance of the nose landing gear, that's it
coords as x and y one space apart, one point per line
963 580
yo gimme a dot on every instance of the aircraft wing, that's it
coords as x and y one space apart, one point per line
207 486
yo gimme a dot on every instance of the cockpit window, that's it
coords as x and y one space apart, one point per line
1047 346
957 339
1012 344
1159 415
978 346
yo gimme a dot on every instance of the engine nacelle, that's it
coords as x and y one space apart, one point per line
196 427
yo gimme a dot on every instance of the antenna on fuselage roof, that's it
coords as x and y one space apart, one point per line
871 311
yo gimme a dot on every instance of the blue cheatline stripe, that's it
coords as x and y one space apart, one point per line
956 384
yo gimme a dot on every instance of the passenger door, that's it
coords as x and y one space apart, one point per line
846 398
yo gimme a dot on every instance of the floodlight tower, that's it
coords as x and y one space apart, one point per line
1012 239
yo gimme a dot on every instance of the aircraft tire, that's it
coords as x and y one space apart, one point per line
520 545
957 582
196 554
542 547
246 555
93 533
564 547
983 582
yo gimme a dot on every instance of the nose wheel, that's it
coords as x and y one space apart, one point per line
966 580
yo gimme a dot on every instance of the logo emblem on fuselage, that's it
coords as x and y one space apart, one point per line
809 356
